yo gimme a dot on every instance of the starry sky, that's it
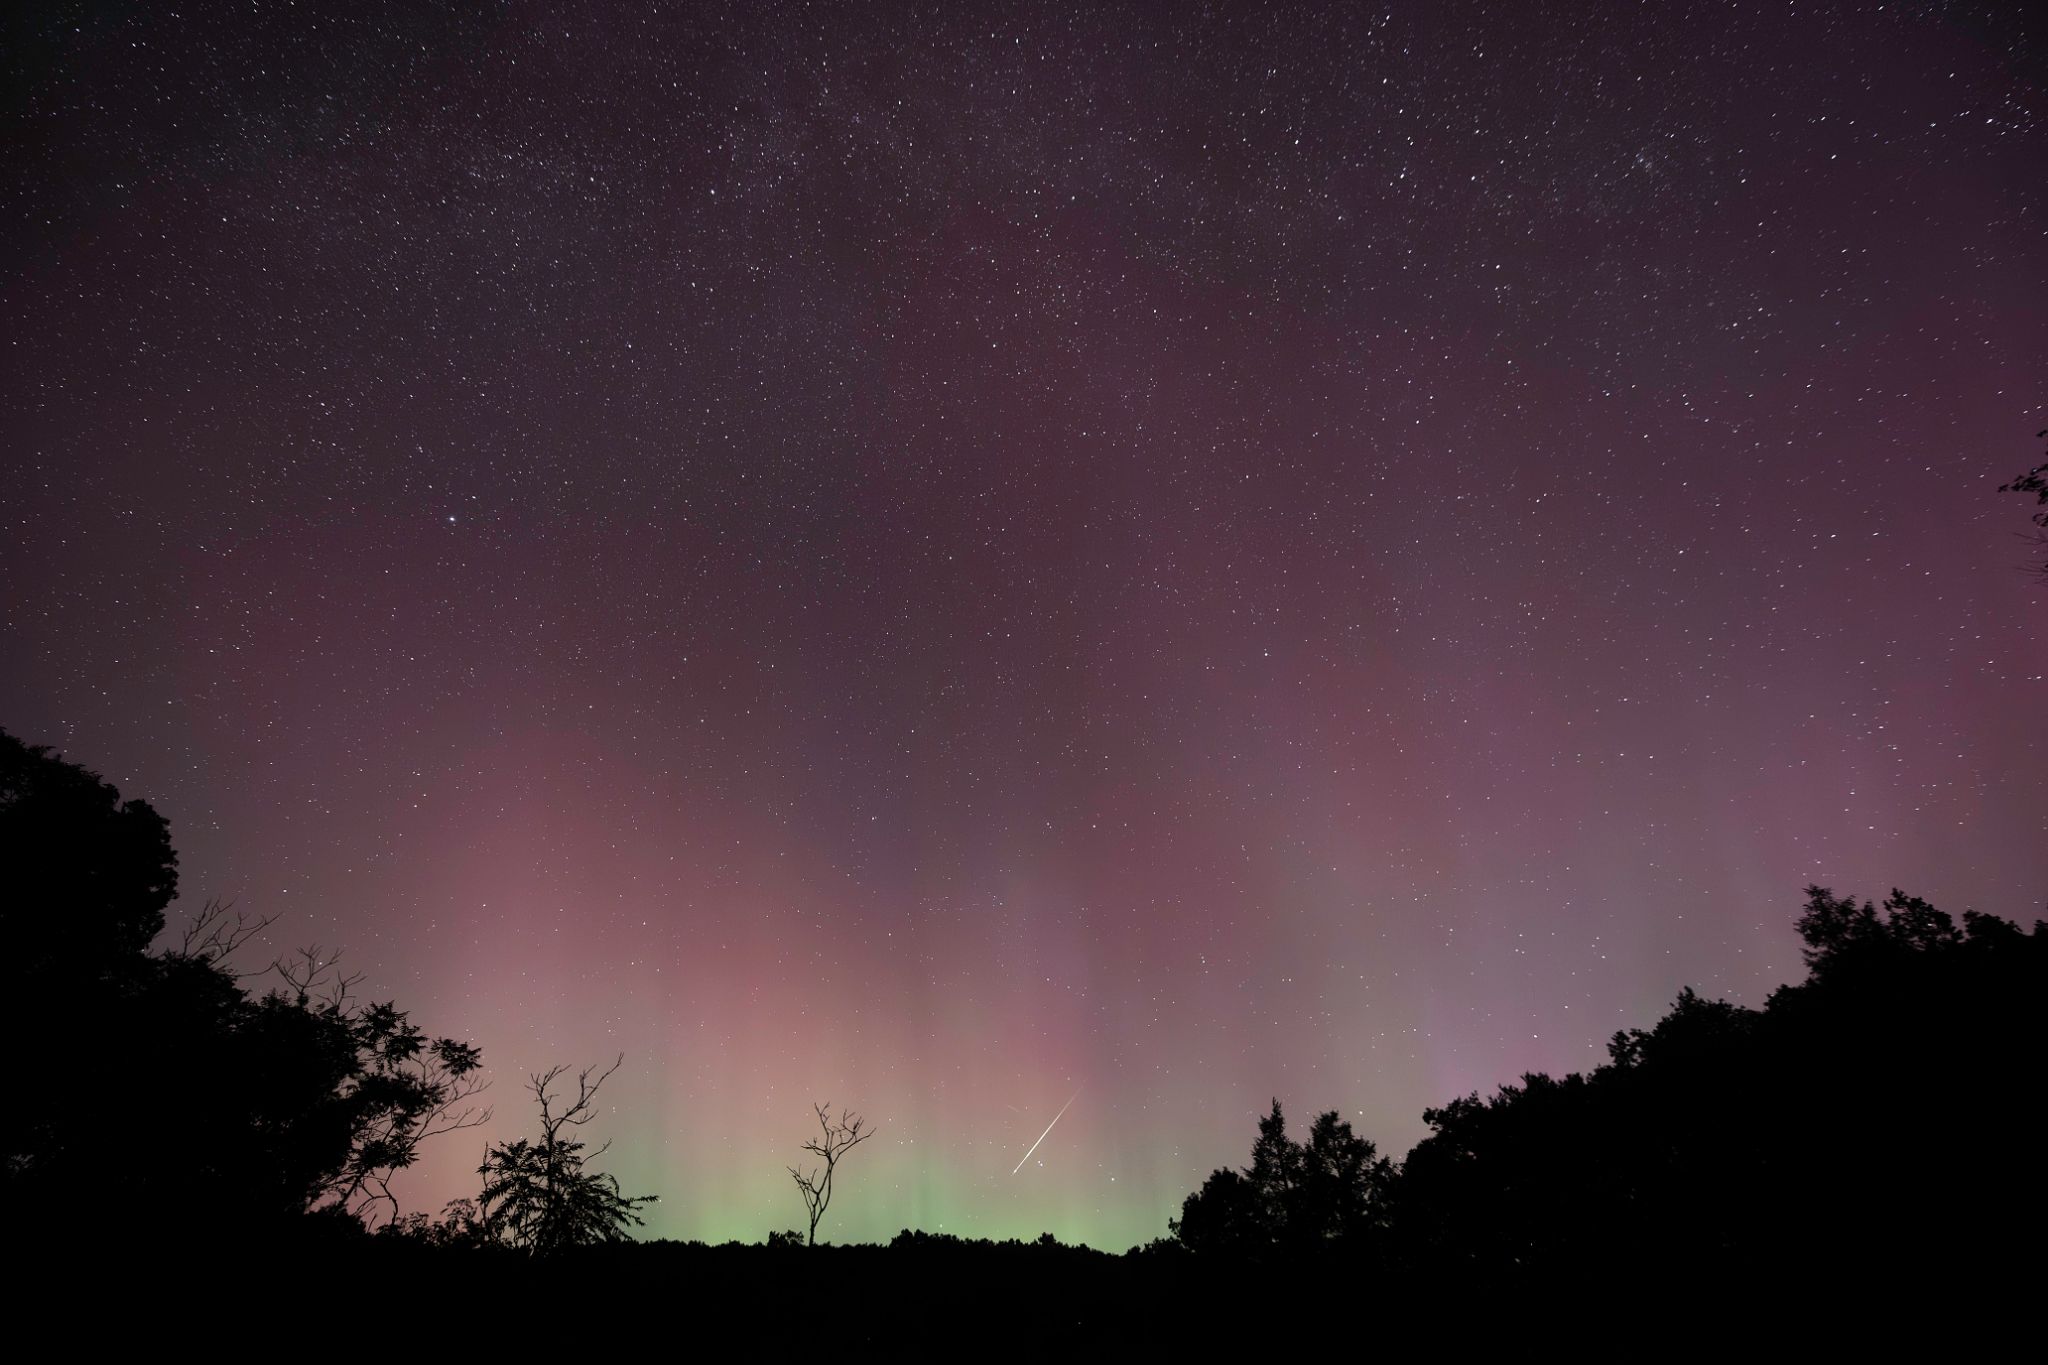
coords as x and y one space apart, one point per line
949 557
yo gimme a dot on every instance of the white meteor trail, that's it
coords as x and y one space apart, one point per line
1048 1128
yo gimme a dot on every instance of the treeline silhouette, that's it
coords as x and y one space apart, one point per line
1887 1107
1878 1120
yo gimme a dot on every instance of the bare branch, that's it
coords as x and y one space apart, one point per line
539 1196
212 936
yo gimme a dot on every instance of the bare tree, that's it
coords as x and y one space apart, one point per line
840 1136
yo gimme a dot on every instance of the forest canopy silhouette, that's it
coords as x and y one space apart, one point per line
1881 1110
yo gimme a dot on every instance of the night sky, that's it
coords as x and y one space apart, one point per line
947 558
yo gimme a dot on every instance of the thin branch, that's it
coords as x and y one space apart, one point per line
212 936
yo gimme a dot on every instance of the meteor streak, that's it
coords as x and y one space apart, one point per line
1048 1128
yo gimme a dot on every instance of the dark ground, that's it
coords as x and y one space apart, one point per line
1004 1300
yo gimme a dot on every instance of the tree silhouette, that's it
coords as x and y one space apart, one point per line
403 1089
838 1137
1224 1216
1295 1197
2035 481
88 874
205 1111
538 1197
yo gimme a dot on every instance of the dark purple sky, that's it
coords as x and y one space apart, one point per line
946 558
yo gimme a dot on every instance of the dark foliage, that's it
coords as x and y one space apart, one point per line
177 1104
1295 1197
1881 1109
2035 482
394 1087
539 1196
88 874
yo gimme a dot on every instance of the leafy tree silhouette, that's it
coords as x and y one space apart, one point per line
1295 1197
89 875
1880 1108
539 1197
1873 1109
204 1111
402 1089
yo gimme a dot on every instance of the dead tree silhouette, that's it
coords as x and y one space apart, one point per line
840 1136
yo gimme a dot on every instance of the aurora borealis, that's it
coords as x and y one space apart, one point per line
943 558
